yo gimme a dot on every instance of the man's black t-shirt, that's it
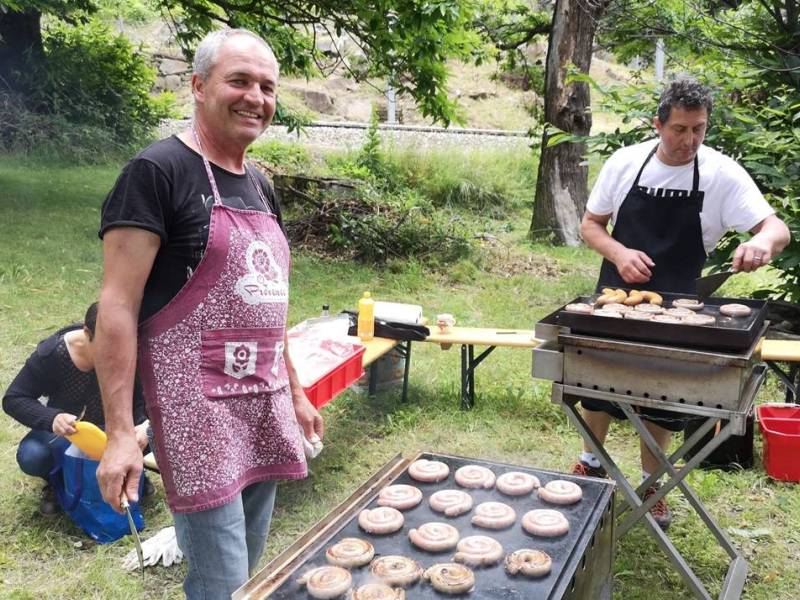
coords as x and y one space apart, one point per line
165 190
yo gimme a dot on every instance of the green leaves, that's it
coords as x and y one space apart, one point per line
113 94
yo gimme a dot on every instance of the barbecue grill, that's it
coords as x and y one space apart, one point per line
704 371
726 334
582 558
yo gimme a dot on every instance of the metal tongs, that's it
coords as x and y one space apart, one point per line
126 505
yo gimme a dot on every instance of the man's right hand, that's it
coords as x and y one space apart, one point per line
634 266
120 466
64 424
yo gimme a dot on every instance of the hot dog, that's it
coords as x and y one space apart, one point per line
634 298
653 298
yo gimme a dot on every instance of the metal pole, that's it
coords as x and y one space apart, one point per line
660 59
391 111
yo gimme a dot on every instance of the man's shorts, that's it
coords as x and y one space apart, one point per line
668 420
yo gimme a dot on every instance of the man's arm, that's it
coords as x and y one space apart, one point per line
633 265
307 416
769 239
128 255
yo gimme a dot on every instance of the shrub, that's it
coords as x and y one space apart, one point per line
491 182
52 136
112 95
487 181
284 157
372 226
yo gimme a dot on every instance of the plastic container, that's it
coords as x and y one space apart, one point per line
780 428
341 377
366 317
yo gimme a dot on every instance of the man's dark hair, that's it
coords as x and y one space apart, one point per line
686 92
90 320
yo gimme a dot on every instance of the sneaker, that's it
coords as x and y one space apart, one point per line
48 505
660 510
585 469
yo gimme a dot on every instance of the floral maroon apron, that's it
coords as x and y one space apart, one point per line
211 363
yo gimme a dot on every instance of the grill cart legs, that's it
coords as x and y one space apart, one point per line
568 397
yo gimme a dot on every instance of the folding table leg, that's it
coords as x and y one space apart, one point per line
788 379
373 379
407 349
468 365
466 404
471 375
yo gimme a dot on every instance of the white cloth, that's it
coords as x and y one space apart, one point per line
732 200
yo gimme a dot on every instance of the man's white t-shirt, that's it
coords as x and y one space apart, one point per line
731 201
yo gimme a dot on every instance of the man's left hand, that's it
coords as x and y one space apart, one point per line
752 254
308 417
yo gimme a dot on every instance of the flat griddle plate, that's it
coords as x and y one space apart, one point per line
727 333
492 583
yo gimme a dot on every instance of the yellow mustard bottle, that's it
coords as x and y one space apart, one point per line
366 317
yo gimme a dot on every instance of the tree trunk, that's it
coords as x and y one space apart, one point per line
20 41
561 186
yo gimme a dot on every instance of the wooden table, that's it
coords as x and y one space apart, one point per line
468 338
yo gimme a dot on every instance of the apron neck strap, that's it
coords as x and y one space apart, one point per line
213 182
644 164
695 176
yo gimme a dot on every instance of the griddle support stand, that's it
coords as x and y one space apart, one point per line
737 570
468 365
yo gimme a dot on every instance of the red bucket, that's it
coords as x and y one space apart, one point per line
780 428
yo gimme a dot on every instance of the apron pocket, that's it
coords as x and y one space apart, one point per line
242 362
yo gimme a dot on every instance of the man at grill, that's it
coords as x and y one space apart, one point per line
194 297
670 201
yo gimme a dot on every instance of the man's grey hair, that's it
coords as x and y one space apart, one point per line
686 92
205 56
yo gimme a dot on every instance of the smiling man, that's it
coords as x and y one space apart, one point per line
194 297
670 201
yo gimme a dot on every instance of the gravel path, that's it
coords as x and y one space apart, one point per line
350 136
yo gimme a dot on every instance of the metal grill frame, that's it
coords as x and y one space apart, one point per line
619 371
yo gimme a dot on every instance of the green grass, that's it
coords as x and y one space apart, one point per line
50 270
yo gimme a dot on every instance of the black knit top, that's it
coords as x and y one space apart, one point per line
50 373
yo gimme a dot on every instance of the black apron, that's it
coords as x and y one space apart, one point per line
666 227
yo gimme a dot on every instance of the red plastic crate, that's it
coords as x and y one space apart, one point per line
327 387
780 428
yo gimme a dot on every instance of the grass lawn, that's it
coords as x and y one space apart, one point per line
50 271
